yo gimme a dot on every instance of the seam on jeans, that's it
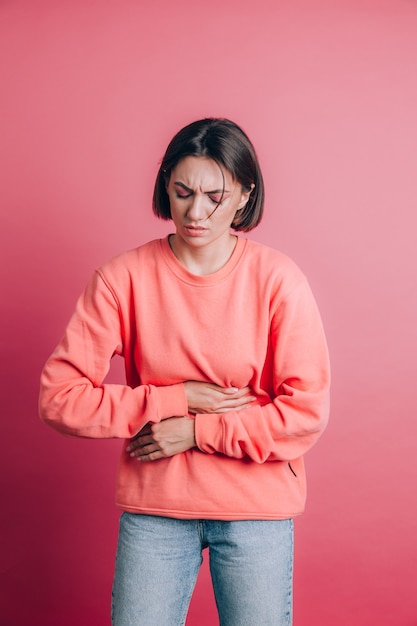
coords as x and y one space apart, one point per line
290 593
200 530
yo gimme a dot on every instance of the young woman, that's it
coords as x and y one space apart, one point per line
227 387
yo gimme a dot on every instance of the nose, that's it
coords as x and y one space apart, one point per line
197 209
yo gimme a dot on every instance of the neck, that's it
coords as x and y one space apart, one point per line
203 261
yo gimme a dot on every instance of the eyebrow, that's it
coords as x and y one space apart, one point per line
214 191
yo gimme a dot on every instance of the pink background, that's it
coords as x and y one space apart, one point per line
91 92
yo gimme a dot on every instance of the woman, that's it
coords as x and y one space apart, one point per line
227 387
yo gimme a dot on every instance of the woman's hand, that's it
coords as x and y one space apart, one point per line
177 434
210 398
164 439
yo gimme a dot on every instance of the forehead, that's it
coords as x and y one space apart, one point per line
201 171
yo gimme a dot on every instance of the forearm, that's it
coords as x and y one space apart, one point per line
75 405
73 397
278 430
177 434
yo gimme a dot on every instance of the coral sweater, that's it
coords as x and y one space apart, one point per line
254 322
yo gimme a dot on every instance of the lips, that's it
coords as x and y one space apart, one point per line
195 231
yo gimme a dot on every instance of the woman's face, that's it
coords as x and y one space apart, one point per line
203 200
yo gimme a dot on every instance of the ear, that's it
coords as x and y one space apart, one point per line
245 196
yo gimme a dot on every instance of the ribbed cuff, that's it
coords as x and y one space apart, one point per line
171 401
209 433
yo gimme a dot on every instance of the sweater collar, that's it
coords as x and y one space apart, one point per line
185 275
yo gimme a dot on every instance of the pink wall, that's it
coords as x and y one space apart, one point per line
327 89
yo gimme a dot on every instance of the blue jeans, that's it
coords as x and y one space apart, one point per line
158 558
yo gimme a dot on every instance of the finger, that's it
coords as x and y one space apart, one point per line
134 445
151 456
231 403
146 430
237 405
235 392
145 451
227 390
154 452
139 442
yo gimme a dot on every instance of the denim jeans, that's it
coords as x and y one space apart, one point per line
158 558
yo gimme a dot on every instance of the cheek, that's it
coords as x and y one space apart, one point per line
243 198
174 206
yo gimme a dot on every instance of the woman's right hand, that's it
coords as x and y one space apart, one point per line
211 398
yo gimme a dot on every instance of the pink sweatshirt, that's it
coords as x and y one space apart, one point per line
254 322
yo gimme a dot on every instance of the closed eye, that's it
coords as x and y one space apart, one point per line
183 192
216 199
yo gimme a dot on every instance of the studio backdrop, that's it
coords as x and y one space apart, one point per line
90 94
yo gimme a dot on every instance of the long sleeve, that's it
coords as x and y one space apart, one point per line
73 398
284 426
254 322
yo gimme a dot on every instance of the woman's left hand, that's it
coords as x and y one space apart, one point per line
164 439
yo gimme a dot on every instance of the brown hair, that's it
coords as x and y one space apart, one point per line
225 143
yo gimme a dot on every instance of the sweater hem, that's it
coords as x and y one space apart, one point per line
215 515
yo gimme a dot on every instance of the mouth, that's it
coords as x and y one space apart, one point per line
195 231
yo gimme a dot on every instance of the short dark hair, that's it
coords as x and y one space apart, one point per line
225 143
